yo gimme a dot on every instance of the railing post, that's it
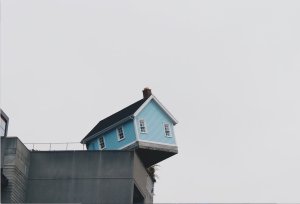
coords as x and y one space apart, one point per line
76 147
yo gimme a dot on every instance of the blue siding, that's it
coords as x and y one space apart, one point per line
154 118
111 139
93 145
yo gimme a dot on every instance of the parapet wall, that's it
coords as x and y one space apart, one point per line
80 177
73 176
15 161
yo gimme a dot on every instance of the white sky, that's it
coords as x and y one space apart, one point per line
228 70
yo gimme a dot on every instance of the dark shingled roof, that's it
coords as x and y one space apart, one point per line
124 113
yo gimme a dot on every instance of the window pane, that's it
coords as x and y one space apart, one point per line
167 129
2 132
142 126
120 133
101 142
2 124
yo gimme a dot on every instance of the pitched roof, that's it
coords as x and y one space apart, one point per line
114 118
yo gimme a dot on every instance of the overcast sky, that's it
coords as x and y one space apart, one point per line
229 71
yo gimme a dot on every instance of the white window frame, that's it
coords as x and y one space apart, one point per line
3 125
118 135
140 127
170 130
101 148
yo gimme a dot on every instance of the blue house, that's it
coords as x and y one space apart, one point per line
145 126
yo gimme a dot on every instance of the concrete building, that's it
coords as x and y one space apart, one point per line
73 176
3 133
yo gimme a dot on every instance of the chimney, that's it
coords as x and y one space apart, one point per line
147 93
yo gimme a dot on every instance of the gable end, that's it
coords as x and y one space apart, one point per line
160 105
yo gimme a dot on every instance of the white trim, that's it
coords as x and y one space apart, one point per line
106 129
142 106
118 136
127 145
100 143
137 134
159 104
146 141
145 125
165 109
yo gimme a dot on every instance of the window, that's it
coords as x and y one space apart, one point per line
101 143
167 130
2 126
142 126
120 133
2 132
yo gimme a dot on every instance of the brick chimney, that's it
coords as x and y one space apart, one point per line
147 93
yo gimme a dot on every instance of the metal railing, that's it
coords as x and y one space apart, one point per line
55 146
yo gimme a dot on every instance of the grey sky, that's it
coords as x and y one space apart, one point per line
227 70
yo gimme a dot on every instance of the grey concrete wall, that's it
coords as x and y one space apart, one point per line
81 177
72 176
15 159
142 179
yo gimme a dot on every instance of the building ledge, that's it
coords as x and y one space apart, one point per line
153 153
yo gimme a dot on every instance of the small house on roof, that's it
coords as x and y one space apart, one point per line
145 126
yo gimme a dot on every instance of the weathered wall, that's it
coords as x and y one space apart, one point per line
81 177
15 163
142 180
72 176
